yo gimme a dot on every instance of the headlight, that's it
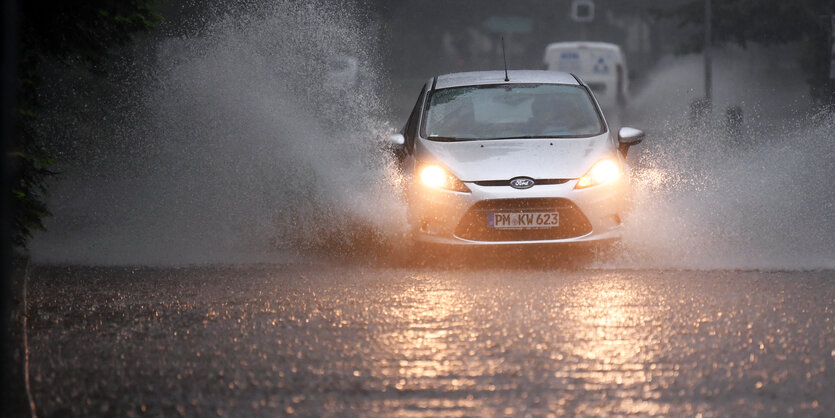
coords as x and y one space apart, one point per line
437 177
602 172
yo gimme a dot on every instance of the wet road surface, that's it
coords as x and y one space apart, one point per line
369 340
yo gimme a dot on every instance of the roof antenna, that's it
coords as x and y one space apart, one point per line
504 55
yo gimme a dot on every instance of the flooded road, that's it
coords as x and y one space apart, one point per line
239 134
339 339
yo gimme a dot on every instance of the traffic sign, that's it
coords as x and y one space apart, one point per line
582 11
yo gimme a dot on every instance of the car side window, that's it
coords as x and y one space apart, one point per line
410 131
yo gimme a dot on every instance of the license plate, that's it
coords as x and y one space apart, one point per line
523 220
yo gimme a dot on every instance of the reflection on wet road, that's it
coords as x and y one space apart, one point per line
325 339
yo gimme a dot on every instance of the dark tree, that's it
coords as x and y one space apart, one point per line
769 22
67 32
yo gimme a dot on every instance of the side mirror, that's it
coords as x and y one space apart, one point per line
397 140
628 137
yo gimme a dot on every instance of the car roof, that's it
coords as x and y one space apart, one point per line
583 44
497 77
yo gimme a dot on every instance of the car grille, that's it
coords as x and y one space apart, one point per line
536 182
473 226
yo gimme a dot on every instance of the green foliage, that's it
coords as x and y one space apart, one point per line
82 29
765 22
68 31
28 193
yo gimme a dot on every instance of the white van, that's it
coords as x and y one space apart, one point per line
601 65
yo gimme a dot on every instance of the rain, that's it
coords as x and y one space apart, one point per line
229 229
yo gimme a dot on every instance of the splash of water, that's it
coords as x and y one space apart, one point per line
236 145
245 145
707 197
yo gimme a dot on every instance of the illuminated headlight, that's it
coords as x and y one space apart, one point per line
602 172
438 178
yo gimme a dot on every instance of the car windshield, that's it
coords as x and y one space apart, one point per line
511 111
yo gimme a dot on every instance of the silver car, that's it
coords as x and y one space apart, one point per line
522 158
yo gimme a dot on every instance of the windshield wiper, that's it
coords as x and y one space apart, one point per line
447 138
519 137
462 139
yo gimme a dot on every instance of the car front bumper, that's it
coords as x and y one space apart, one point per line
586 215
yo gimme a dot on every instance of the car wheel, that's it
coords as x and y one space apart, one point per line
608 250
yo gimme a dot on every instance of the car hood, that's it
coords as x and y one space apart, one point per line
504 159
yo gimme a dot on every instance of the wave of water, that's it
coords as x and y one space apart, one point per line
246 148
707 197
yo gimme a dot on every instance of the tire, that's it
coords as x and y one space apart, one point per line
608 250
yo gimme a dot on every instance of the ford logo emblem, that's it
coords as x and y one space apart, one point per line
521 182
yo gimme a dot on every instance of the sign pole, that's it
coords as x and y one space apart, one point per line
832 52
708 63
